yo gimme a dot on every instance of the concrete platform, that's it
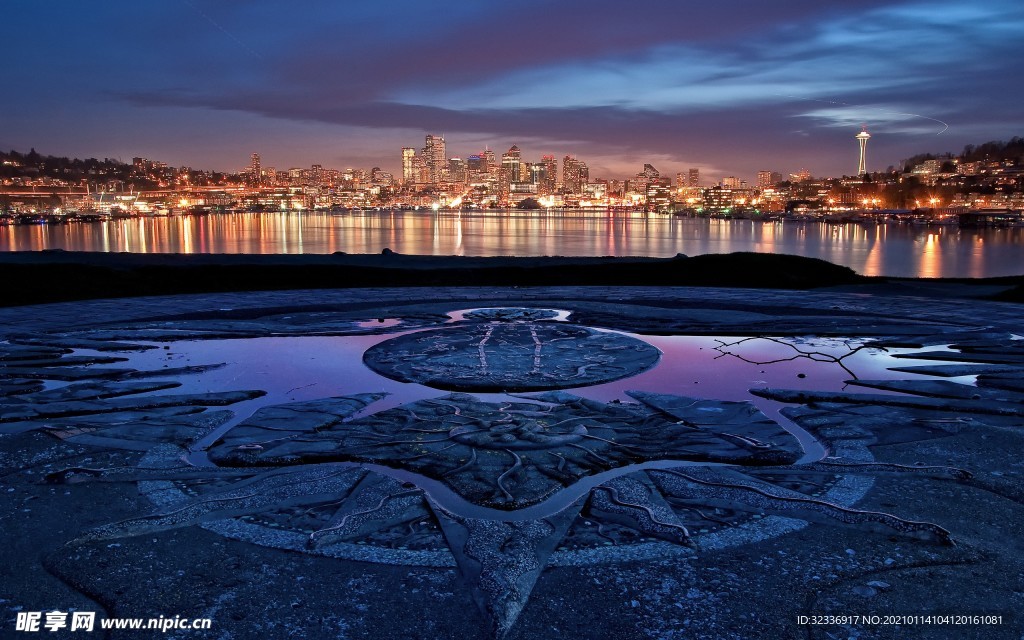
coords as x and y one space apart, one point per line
111 505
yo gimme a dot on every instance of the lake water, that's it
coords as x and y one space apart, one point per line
886 250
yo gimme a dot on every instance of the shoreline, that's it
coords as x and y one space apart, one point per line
36 277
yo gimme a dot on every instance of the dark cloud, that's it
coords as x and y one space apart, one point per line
737 83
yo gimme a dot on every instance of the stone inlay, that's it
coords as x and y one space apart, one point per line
294 475
515 454
518 355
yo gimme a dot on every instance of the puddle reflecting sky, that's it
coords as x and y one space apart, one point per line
304 368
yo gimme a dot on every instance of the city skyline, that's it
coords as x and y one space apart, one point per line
779 86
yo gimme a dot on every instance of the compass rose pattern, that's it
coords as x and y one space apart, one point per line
515 454
499 488
498 508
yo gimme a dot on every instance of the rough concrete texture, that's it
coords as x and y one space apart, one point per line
539 516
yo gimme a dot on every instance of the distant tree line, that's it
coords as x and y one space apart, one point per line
14 164
33 164
995 150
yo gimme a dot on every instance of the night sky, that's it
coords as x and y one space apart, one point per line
730 86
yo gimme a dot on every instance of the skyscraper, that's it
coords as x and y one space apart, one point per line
435 157
255 170
575 175
408 168
547 186
512 161
768 179
490 162
457 170
862 138
694 178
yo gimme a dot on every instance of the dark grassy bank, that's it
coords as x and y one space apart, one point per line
37 277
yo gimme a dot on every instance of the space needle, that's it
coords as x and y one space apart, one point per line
862 138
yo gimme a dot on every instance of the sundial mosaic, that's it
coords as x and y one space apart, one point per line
498 441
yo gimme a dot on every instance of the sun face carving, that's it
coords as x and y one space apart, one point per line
523 354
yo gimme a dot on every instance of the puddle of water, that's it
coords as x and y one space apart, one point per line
381 323
459 315
292 369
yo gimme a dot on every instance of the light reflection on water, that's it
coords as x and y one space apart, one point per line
890 250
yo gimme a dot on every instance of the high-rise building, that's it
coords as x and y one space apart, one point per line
255 170
550 182
768 179
435 158
803 175
862 139
731 182
491 162
408 170
457 170
512 161
640 181
537 173
694 178
575 175
380 177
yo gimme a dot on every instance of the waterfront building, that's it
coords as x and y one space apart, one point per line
658 195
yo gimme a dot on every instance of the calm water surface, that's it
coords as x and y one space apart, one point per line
890 250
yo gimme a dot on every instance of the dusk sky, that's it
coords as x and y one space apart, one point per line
732 86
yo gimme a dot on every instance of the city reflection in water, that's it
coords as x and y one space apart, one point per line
890 250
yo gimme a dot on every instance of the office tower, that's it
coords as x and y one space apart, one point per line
435 158
694 178
731 182
457 170
550 182
768 179
490 161
408 170
512 161
803 175
862 139
255 170
575 175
